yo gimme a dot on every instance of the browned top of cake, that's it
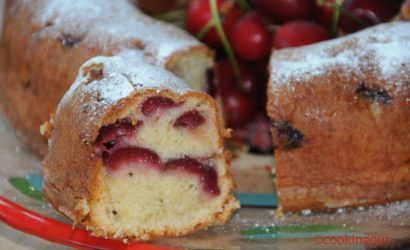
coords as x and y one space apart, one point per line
93 25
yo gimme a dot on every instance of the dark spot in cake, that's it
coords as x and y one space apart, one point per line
407 162
271 122
373 93
288 136
49 23
110 144
98 97
139 44
114 212
94 72
86 108
25 84
210 80
68 40
151 56
111 135
131 174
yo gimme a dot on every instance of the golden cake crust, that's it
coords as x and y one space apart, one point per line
341 124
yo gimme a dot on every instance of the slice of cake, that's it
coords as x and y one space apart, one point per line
136 147
135 153
340 115
45 42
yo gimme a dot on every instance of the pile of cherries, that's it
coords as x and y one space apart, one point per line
244 32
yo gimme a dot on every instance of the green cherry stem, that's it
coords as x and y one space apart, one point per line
337 6
171 16
338 9
201 34
354 17
216 20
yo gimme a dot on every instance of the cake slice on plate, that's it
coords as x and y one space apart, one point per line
135 153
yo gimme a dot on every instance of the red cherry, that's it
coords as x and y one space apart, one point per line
190 119
206 174
229 20
371 12
298 33
254 79
251 83
110 135
132 155
224 76
255 76
239 106
156 104
324 12
286 10
199 14
250 37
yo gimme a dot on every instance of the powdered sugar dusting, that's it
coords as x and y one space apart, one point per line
383 50
123 74
118 78
105 22
139 45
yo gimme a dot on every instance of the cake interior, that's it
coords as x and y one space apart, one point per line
193 67
162 169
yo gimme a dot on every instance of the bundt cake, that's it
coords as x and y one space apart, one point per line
340 115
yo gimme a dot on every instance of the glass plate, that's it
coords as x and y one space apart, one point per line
252 227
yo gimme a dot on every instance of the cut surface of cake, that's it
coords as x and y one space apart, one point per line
135 153
340 115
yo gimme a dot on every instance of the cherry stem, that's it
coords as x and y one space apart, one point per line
354 17
216 20
336 17
338 9
201 34
172 16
